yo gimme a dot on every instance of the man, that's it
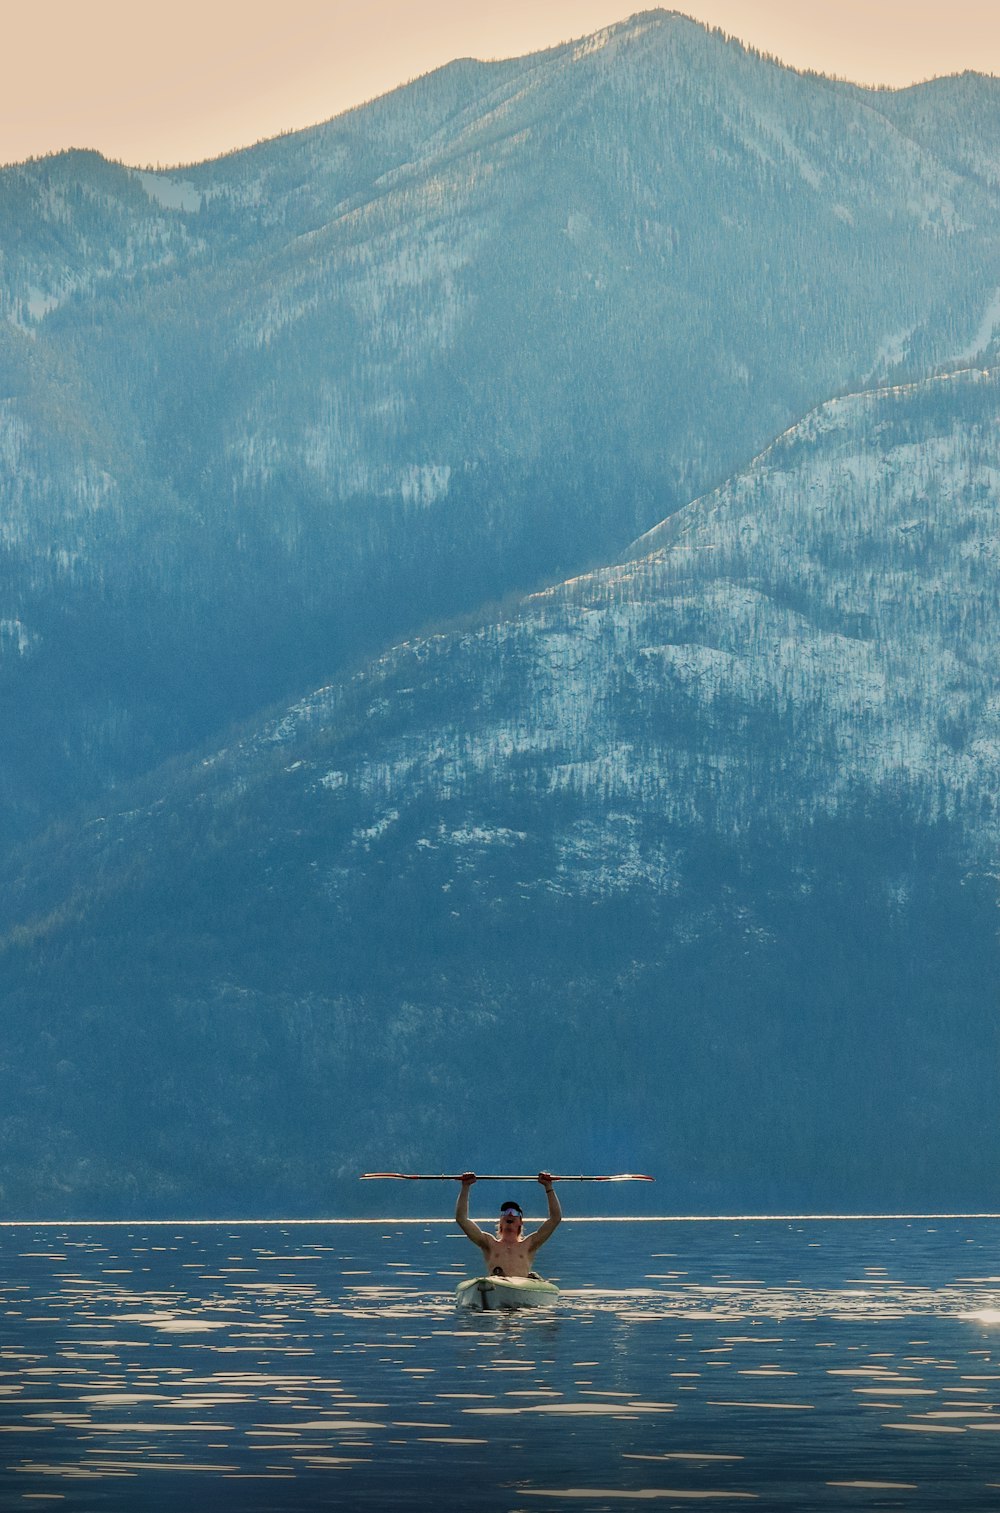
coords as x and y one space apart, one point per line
509 1253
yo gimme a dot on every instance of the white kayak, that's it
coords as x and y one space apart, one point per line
484 1294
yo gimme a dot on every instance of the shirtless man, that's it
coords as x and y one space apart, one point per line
509 1253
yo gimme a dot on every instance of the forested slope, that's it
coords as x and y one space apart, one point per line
698 849
262 417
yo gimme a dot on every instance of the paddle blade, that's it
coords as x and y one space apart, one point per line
621 1177
403 1177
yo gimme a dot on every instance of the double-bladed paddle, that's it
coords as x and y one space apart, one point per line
496 1177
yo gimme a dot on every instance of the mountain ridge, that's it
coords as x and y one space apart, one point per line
472 380
702 839
728 807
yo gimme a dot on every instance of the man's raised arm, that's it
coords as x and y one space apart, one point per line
551 1224
462 1219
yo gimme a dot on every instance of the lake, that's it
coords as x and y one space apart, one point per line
796 1364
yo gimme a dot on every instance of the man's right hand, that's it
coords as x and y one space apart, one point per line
468 1178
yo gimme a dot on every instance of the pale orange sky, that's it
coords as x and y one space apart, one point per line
167 85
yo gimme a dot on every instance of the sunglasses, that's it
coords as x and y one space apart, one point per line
510 1213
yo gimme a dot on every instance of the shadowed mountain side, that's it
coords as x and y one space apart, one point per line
261 418
696 850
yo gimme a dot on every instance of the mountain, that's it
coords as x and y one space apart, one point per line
261 418
687 864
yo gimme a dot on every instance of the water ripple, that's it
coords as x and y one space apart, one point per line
801 1366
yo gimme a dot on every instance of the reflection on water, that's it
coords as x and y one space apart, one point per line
798 1364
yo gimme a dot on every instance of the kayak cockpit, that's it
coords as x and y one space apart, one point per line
488 1294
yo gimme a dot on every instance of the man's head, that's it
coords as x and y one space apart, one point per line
510 1220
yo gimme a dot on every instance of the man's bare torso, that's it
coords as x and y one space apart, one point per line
514 1260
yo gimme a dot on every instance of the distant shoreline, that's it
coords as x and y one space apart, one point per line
436 1219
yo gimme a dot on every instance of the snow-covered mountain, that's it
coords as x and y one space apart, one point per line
832 612
262 417
700 847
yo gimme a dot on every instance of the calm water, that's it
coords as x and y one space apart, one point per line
797 1364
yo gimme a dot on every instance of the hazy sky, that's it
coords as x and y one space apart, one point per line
178 83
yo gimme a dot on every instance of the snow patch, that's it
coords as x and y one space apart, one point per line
610 39
425 483
988 328
376 831
478 835
38 304
15 636
172 194
891 352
